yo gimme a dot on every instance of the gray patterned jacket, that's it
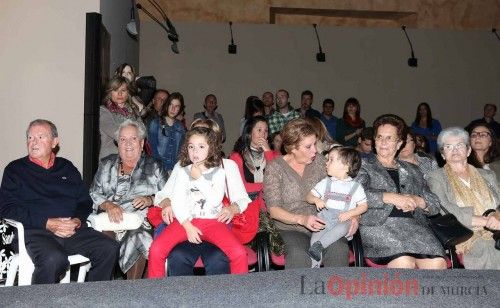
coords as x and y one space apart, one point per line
148 177
376 181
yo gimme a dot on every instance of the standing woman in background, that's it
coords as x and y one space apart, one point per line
126 70
166 133
253 107
426 126
117 107
350 126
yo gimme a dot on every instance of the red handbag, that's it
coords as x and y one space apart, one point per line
154 216
244 225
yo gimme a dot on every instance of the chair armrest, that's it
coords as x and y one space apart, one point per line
19 226
455 263
357 249
20 235
262 248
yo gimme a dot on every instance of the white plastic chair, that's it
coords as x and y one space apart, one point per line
22 262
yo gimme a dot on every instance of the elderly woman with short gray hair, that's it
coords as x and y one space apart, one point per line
124 183
395 229
470 194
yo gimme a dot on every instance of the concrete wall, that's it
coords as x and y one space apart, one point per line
458 71
42 59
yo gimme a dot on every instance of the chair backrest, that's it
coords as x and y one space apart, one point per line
26 266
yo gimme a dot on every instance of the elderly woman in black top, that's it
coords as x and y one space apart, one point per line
394 230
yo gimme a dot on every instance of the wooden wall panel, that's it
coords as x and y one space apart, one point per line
429 14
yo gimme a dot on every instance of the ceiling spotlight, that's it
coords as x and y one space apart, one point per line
320 56
166 24
412 61
132 25
231 48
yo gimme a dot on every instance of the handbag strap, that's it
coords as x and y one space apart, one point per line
226 187
444 209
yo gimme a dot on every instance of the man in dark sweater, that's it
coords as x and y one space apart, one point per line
306 101
47 195
489 113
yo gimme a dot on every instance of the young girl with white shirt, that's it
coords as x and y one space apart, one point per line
196 198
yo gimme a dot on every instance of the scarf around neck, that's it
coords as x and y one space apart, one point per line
356 123
126 111
255 162
478 196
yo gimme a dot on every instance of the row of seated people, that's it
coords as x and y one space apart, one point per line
46 194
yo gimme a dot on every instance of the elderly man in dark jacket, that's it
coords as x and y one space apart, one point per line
47 195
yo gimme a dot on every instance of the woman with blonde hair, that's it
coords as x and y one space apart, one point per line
116 108
324 141
287 180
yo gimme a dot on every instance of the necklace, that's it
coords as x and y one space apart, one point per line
122 170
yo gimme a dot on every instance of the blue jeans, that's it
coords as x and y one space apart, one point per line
182 259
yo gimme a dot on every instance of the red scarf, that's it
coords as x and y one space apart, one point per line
356 123
114 108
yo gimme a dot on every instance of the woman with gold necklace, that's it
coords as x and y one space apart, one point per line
127 183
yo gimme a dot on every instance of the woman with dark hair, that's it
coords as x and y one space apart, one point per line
483 143
166 133
126 70
276 143
251 154
394 230
351 125
253 107
421 144
425 125
287 180
117 107
409 153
